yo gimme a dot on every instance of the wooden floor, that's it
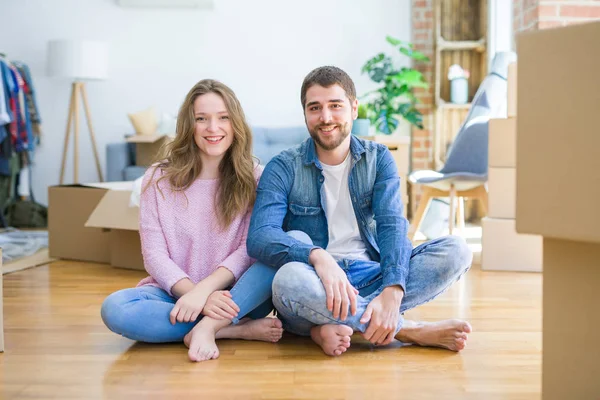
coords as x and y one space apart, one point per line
57 347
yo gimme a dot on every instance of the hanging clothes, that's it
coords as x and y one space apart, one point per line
23 132
20 127
9 93
7 121
5 116
34 119
20 111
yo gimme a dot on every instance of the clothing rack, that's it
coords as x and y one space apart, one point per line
20 129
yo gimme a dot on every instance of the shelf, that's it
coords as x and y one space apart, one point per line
447 105
478 45
460 38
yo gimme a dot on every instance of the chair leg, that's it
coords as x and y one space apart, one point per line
452 209
460 215
418 218
482 196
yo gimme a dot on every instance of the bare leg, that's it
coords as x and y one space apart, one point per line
451 334
264 329
201 339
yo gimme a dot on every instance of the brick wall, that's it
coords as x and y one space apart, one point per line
543 14
423 39
525 15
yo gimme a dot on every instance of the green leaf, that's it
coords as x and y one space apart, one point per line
394 41
377 74
403 108
410 77
417 55
411 96
415 118
369 64
414 54
392 123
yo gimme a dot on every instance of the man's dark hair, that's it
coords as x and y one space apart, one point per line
327 76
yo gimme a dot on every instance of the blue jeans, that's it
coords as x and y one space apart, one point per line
142 313
299 295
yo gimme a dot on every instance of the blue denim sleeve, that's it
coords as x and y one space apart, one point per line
392 228
267 240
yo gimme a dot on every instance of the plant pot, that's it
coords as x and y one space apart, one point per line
361 126
459 91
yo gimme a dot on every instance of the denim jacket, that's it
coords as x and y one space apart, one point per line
289 197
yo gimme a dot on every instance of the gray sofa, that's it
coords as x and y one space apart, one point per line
267 143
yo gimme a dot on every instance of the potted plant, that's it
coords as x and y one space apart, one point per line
362 124
395 99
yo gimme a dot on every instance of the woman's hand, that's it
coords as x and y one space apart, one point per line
221 306
190 305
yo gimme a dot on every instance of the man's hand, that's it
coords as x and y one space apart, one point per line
190 305
340 293
384 313
220 305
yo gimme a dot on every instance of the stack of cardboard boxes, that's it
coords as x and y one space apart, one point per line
558 197
503 249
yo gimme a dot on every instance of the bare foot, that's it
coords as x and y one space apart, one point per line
450 334
201 343
265 329
333 339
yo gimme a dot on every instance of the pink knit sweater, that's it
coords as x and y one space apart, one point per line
182 239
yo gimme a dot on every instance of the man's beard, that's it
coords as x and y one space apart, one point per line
344 131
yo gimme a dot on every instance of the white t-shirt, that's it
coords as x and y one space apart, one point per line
344 236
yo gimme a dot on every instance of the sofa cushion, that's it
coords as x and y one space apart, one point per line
133 172
268 142
144 122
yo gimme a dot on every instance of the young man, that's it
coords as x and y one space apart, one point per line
354 270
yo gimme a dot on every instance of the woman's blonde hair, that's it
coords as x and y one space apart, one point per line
180 161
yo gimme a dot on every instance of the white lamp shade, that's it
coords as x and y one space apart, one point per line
79 60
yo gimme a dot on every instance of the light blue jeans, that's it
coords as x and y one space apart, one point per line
299 295
142 313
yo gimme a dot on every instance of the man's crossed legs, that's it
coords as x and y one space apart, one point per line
300 298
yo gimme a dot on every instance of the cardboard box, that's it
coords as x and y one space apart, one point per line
114 213
94 222
401 153
558 140
503 249
512 90
147 147
571 320
502 143
502 190
69 207
399 146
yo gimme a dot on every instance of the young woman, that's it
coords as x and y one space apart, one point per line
195 210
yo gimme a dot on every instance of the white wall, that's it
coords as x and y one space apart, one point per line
262 49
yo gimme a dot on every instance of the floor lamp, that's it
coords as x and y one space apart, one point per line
79 61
